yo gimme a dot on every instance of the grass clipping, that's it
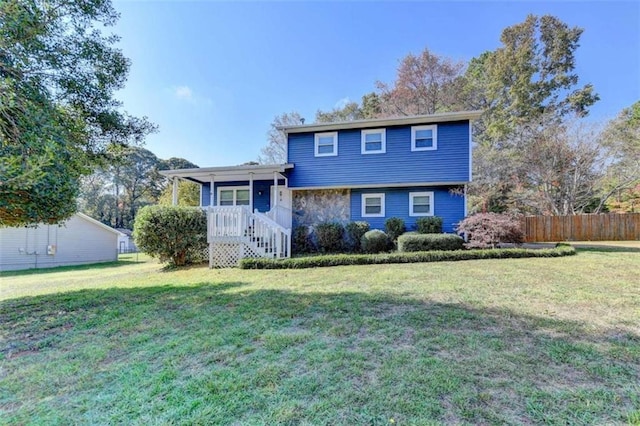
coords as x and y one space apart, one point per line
414 257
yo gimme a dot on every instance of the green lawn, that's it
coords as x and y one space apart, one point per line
517 341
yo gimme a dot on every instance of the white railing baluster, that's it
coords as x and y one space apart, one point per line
261 231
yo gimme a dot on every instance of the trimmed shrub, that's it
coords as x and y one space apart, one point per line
355 231
487 230
429 225
394 227
329 236
385 258
425 242
301 240
174 235
375 241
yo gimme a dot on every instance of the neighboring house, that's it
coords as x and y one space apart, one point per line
125 241
365 170
79 240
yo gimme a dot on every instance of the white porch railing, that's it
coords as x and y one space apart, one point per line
234 233
281 215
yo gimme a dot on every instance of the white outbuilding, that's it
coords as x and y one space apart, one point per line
80 240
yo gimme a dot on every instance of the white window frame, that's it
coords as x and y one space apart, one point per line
235 190
317 137
434 132
422 194
364 213
383 139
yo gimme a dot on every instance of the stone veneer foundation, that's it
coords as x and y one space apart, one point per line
311 207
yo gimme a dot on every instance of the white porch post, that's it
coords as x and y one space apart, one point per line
251 192
212 187
174 199
275 190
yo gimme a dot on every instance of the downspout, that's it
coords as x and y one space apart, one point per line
251 192
212 184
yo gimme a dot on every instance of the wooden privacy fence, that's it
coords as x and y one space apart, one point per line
587 227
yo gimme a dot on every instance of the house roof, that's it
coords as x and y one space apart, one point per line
228 174
97 223
383 122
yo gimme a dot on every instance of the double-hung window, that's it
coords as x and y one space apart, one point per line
326 144
424 138
372 205
233 196
374 141
421 204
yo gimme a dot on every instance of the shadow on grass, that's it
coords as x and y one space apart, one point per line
275 356
606 249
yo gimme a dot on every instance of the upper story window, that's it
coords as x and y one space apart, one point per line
326 144
372 205
424 138
233 196
374 141
421 204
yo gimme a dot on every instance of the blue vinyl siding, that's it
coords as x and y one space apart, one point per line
446 205
449 163
260 202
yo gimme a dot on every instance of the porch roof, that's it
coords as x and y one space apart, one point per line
227 174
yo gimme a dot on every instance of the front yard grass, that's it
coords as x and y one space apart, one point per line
550 340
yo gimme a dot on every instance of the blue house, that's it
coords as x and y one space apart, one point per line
365 170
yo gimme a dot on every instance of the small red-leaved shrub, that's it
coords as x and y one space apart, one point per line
487 230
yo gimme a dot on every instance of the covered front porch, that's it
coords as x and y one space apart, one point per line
248 210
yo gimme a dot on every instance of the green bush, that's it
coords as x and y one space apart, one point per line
429 225
488 230
394 227
375 241
301 240
330 237
425 242
354 233
172 234
424 256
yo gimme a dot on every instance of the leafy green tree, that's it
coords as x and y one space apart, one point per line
351 111
532 74
524 86
58 74
188 195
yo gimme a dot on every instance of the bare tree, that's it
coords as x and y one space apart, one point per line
563 164
276 150
425 84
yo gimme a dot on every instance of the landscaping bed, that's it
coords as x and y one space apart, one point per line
405 257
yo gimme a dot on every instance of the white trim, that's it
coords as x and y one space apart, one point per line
384 122
316 144
434 130
470 152
379 185
421 194
383 140
363 199
227 174
235 194
466 207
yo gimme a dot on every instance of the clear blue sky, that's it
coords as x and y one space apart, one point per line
213 75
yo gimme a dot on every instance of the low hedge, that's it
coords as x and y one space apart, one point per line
426 242
414 257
